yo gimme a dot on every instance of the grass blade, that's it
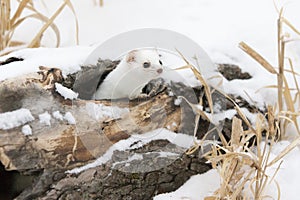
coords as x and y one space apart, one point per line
37 39
289 148
263 62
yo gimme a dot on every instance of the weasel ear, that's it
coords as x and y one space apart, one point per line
131 56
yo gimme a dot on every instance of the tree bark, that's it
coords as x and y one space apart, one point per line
53 149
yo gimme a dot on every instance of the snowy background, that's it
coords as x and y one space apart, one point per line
216 25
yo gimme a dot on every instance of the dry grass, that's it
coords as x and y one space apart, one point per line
243 162
9 22
242 167
197 108
288 98
101 2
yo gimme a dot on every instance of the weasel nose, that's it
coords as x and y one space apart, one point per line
160 70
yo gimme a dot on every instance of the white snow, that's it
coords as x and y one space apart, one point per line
9 120
211 24
251 116
218 26
58 115
288 175
66 92
181 140
200 186
100 111
67 117
139 156
197 187
177 101
68 59
26 130
135 156
45 118
70 118
171 94
217 117
167 154
172 125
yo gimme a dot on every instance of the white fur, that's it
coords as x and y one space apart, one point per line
129 77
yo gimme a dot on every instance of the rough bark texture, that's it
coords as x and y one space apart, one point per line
115 182
51 150
231 72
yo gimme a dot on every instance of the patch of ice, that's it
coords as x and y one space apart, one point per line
15 118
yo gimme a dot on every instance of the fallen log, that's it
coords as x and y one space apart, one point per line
69 133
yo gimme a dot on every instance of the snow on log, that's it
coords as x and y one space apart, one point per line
100 149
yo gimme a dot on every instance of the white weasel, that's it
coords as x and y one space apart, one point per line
134 71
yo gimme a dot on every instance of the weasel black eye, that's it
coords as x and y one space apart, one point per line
146 64
160 62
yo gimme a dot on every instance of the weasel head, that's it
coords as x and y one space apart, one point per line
145 63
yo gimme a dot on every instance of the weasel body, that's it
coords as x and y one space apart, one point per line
134 71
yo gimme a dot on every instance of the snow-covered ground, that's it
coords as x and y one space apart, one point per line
204 185
217 26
